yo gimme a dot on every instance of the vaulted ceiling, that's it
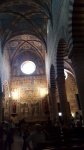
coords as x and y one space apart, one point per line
23 27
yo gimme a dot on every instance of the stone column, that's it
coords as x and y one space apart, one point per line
50 104
54 109
78 65
63 99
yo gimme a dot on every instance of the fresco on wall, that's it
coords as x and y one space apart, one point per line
16 68
6 99
6 67
29 98
14 107
45 105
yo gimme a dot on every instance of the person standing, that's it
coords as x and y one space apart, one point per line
36 138
9 138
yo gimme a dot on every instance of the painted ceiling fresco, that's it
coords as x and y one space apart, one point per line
23 26
26 47
23 43
24 17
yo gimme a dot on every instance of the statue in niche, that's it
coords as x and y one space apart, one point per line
45 104
32 109
24 107
23 111
14 108
6 104
37 108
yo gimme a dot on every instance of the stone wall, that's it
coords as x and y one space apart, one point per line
71 91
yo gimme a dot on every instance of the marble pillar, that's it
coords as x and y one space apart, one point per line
63 99
54 109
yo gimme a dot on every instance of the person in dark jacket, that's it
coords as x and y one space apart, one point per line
1 136
9 138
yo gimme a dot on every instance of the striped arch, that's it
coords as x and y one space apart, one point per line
76 26
52 77
61 53
70 40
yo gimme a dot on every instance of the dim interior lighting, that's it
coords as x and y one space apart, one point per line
28 67
60 114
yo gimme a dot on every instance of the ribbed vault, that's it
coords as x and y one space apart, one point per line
24 17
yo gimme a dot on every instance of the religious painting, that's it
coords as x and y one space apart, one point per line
32 109
24 108
6 115
13 107
45 104
32 105
6 105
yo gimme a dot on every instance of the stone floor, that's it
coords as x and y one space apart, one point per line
17 145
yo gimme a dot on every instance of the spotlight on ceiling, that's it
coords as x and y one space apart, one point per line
28 67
